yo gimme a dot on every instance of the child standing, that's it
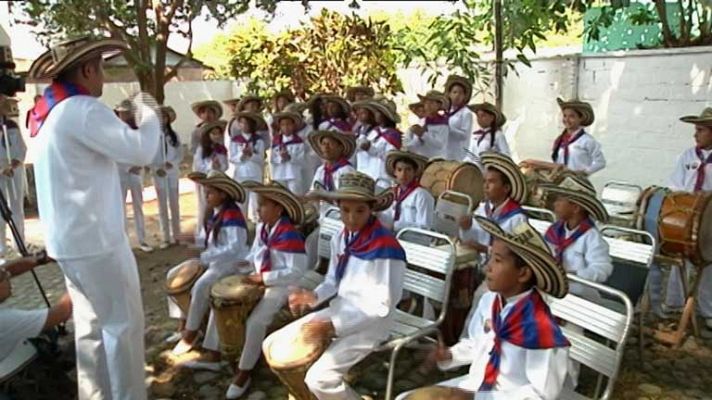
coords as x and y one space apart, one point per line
379 141
287 156
210 155
247 151
334 149
429 137
489 137
413 206
166 169
207 111
459 92
338 112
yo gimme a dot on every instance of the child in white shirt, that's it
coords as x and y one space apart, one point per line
459 91
247 150
429 137
288 153
166 170
489 136
413 206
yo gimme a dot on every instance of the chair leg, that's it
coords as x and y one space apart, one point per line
391 373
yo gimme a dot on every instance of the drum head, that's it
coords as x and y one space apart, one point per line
288 348
440 393
188 272
233 290
704 240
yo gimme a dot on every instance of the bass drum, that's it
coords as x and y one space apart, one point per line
462 177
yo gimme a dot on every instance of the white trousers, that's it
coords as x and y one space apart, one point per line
14 191
167 193
108 324
255 327
294 185
676 297
200 193
199 294
250 207
134 183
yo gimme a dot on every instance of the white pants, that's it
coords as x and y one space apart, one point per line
134 183
676 297
14 191
325 378
250 206
294 185
200 192
167 193
108 324
199 294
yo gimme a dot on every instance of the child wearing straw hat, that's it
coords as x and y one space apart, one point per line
280 101
338 112
131 179
334 149
364 282
247 151
413 206
12 159
693 173
207 111
459 92
166 168
288 154
210 155
359 93
373 147
278 260
225 241
513 344
429 137
489 136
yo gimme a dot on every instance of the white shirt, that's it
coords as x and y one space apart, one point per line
416 211
292 169
372 162
168 153
286 268
18 325
481 142
329 125
433 142
585 155
460 124
251 167
479 235
367 295
78 191
524 374
216 161
18 149
319 175
230 247
685 173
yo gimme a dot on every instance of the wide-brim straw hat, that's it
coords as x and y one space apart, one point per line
580 191
214 105
393 156
347 142
221 124
259 121
169 111
286 93
247 98
298 108
583 108
70 53
413 106
504 164
499 118
352 91
221 181
705 118
343 104
125 106
282 196
356 186
290 114
437 96
234 100
381 105
462 81
528 244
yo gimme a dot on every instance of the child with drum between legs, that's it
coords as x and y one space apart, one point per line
513 344
226 244
364 283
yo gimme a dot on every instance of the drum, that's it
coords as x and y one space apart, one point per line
439 393
290 355
311 219
681 221
440 176
536 177
180 283
232 301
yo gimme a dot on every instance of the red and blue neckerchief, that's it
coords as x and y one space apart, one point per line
252 141
401 194
529 325
53 95
700 179
329 169
439 119
390 135
565 140
229 215
285 238
370 243
278 141
509 209
556 235
340 124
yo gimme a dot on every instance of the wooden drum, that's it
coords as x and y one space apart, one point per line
681 221
290 355
232 301
180 283
440 393
535 177
466 178
311 220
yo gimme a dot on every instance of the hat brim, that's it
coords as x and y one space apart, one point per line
380 201
592 205
697 120
214 105
393 156
260 123
345 106
225 184
550 276
347 142
170 112
282 196
296 117
247 99
462 81
499 118
584 109
44 66
444 102
352 91
510 170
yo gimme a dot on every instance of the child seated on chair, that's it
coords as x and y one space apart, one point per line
225 242
513 344
364 283
413 206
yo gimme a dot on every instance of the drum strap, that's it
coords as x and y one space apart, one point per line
655 204
700 179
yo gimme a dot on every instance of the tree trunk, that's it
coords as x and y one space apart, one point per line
669 39
498 71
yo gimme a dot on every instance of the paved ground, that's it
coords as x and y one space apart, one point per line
685 373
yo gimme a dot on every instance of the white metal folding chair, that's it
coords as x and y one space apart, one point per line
15 362
449 208
329 226
540 218
620 200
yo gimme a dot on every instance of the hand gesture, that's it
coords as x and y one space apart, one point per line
417 130
247 152
161 172
465 222
168 165
441 353
301 301
7 171
365 145
135 170
318 330
255 279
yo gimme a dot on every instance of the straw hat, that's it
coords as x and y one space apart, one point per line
280 195
207 104
352 91
356 186
168 110
705 118
286 93
462 81
504 164
583 108
8 107
393 156
70 53
212 125
345 106
437 96
580 191
381 105
499 118
234 100
291 114
246 99
125 106
259 121
221 181
298 108
413 106
347 142
528 244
